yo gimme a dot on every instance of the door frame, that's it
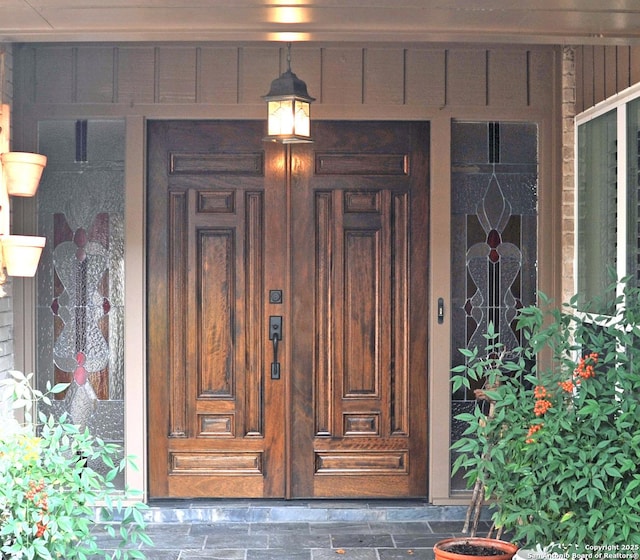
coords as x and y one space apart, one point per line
550 272
549 279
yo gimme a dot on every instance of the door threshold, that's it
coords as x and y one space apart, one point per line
234 510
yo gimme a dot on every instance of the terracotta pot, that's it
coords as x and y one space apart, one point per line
22 254
22 172
505 550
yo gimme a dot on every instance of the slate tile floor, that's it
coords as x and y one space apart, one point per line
293 531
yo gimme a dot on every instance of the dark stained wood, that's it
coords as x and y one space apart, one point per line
212 432
341 227
360 285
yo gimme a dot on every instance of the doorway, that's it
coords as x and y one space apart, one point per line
287 310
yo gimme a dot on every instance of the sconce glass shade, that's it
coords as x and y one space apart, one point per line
22 172
21 254
289 112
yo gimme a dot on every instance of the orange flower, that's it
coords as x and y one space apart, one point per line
566 385
586 366
41 528
532 430
540 392
541 407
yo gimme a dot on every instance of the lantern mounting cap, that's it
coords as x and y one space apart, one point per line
288 84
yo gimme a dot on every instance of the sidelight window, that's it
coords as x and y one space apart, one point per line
80 299
494 182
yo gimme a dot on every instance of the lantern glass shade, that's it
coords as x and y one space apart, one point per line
289 119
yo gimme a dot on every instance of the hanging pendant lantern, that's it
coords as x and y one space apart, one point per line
288 108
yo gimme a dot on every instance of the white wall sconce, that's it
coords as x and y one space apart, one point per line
288 108
20 174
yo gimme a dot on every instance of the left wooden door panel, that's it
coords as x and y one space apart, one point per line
210 434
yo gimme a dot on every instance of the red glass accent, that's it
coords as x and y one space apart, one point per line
80 237
80 373
61 230
106 306
99 230
493 239
55 306
468 307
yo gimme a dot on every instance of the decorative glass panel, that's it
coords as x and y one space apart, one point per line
81 277
494 184
597 208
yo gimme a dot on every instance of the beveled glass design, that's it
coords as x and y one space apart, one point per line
494 185
80 299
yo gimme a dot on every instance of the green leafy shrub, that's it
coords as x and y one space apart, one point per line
49 495
560 453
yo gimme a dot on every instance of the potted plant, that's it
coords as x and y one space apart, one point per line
477 548
476 449
558 452
49 495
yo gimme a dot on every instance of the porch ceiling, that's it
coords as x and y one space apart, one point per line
540 21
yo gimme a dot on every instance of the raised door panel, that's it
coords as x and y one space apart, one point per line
210 430
361 369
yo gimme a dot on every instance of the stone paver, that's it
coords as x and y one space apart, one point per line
313 531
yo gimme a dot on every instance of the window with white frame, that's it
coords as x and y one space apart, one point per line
607 187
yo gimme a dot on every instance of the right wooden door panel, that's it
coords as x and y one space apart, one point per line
360 333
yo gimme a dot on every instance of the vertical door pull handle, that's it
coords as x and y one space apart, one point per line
275 335
440 311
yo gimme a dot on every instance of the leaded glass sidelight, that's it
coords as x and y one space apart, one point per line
494 183
81 277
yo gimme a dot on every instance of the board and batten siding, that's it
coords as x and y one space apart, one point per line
338 76
603 71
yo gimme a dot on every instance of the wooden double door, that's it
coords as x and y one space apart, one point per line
287 310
